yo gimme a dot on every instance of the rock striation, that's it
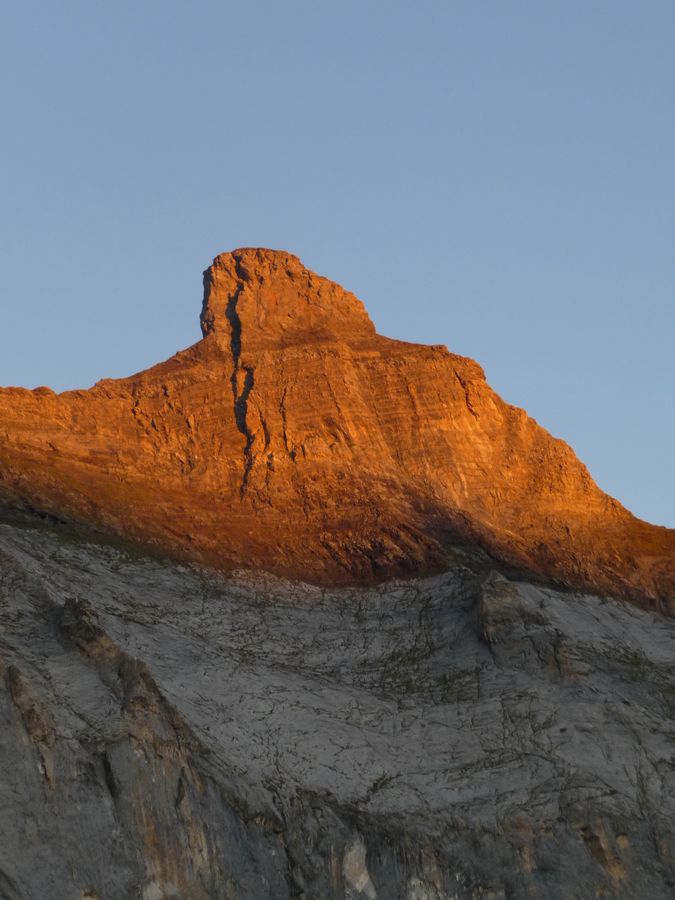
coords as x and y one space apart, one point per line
168 733
294 438
431 697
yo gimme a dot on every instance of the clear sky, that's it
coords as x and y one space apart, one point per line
495 176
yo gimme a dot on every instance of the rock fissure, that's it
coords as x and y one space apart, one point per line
240 394
284 425
467 398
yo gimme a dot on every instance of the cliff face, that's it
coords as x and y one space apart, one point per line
171 731
294 438
170 734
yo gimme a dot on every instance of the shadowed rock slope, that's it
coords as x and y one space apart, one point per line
296 439
170 733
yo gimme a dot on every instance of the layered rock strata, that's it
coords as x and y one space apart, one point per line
170 733
294 438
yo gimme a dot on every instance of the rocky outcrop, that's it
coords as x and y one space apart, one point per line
294 438
167 732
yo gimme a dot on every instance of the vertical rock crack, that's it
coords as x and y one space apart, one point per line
240 397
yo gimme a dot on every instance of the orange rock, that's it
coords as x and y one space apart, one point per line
296 439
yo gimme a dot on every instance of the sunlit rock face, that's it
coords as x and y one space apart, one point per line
305 612
296 439
166 732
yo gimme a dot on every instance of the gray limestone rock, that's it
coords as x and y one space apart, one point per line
169 733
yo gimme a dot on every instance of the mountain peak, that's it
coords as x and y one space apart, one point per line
293 438
267 298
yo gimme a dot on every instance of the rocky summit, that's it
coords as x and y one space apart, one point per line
294 438
307 613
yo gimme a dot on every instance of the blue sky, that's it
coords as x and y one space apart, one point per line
495 176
